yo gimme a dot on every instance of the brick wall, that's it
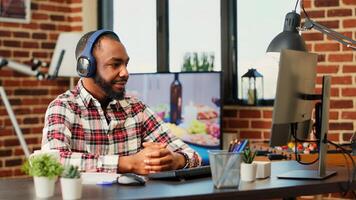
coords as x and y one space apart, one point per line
28 96
334 59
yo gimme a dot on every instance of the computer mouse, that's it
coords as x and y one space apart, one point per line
131 179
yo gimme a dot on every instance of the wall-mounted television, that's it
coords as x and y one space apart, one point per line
189 102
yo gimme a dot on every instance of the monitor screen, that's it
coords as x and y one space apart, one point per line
188 102
296 76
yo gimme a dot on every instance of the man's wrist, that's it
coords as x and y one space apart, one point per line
184 163
125 164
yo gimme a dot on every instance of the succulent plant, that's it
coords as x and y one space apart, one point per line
248 156
70 171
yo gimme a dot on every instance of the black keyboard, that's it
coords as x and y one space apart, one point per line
189 173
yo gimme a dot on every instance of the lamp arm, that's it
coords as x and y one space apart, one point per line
309 24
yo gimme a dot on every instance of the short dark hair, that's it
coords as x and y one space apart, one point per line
84 39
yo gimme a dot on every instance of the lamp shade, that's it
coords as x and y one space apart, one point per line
289 38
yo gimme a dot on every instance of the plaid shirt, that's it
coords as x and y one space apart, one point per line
94 140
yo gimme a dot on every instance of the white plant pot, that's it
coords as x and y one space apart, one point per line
44 186
248 172
71 188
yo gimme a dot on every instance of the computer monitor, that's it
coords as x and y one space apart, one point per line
188 102
297 74
293 108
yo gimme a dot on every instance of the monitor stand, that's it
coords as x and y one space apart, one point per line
321 173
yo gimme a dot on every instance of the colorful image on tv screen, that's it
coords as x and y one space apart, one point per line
188 102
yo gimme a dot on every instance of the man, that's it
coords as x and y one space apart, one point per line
99 129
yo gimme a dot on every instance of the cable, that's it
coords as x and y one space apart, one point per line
350 181
296 140
296 4
306 14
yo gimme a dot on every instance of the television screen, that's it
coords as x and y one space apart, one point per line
188 102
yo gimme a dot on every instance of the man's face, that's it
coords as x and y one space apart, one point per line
111 73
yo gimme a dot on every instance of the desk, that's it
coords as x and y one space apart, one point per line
195 189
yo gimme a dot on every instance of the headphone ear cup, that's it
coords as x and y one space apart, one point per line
83 66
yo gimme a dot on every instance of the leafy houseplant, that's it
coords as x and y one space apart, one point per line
44 168
248 168
71 182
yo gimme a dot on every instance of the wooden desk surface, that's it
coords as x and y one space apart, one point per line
195 189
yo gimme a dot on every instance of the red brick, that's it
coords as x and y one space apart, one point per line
234 123
40 16
333 137
250 114
75 19
339 12
261 124
327 47
267 114
30 120
77 28
30 26
349 2
64 28
57 17
18 172
333 115
5 152
31 140
9 24
12 43
11 142
341 126
341 104
64 9
250 134
40 54
327 69
312 36
57 1
30 83
74 1
22 111
47 7
30 92
348 92
48 45
326 3
229 113
5 33
340 57
314 14
321 57
5 173
53 36
348 23
32 45
39 36
21 54
4 53
76 10
348 115
49 27
349 69
347 137
13 162
39 110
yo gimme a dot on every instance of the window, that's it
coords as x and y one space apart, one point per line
255 30
135 23
194 27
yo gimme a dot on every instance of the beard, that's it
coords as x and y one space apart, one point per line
107 88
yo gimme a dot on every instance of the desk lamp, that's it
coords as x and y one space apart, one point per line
290 39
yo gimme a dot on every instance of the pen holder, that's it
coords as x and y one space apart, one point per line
225 168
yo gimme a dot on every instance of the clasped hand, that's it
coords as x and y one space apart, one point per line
155 157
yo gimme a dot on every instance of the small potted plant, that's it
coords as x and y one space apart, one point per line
71 183
45 169
248 169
